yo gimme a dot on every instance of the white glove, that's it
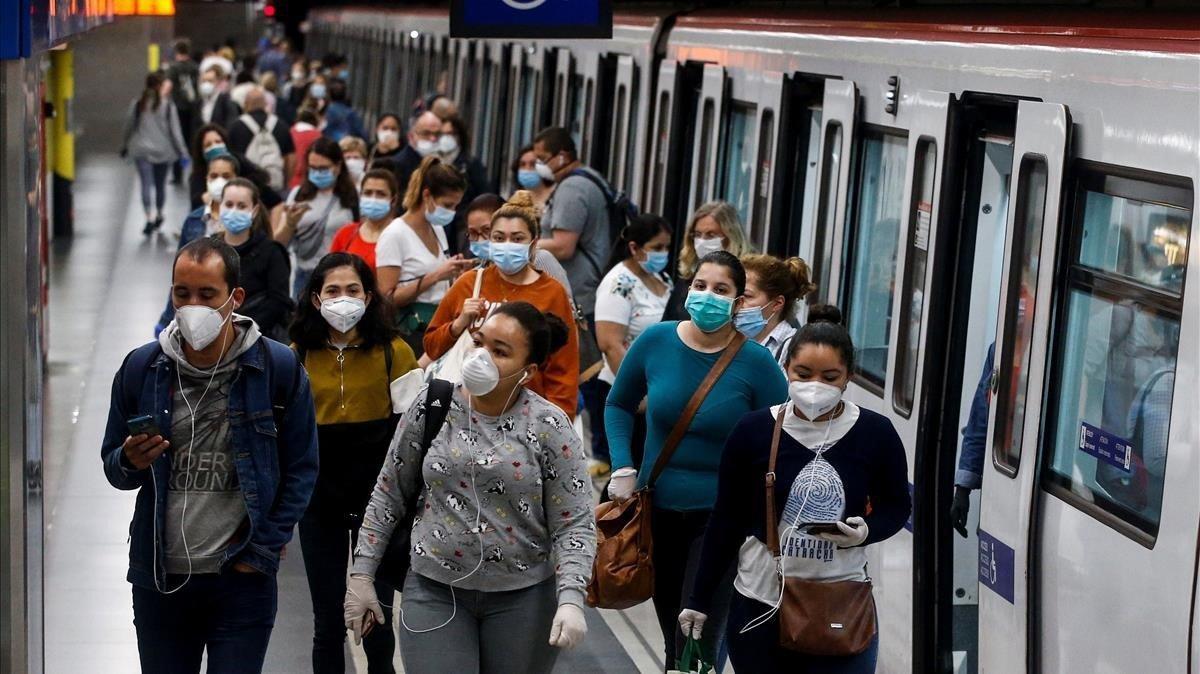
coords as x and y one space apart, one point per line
568 627
361 610
622 484
853 532
692 622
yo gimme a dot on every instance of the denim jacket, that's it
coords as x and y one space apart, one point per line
275 454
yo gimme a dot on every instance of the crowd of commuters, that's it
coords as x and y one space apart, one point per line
424 416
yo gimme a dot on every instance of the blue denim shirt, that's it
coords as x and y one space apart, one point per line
974 442
276 463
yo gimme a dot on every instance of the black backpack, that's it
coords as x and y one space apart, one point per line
393 567
621 210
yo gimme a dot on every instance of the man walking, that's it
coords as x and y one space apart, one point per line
213 424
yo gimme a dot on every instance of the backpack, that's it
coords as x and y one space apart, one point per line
393 566
621 210
264 150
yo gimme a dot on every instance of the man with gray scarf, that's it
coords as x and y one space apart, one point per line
213 424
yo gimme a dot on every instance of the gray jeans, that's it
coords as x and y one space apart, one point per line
491 633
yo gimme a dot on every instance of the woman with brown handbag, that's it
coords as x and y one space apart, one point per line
841 475
666 365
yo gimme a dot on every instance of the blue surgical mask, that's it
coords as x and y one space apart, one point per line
750 321
236 222
215 151
481 249
510 257
710 312
528 179
440 216
317 90
322 178
374 209
655 262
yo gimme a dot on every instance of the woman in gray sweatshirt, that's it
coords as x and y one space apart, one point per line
503 541
154 140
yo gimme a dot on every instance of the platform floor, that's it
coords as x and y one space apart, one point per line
107 286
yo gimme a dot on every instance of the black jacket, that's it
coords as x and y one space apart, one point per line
225 112
265 272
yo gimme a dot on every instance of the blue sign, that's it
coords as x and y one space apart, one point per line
1105 446
531 18
996 565
15 29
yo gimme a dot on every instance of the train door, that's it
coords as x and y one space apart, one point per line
564 93
677 94
1114 522
623 111
1007 496
839 109
743 176
795 175
709 111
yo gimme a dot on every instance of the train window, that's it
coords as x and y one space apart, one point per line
1139 240
1012 389
706 127
912 308
871 249
577 111
661 148
525 129
1113 382
585 134
617 146
827 206
738 154
766 142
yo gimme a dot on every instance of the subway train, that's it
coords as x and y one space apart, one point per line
957 179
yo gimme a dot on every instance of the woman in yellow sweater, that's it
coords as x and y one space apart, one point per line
345 337
511 277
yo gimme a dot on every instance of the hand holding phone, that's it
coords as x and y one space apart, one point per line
814 528
145 442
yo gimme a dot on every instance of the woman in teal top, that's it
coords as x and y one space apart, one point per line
666 364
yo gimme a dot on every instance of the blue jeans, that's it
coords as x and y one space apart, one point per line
154 181
759 651
229 614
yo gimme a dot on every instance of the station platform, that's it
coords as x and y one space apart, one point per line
108 285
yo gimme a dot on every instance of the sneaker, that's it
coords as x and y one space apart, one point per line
149 228
598 469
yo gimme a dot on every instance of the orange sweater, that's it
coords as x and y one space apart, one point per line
558 381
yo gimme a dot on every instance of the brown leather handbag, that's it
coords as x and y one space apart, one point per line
818 617
623 573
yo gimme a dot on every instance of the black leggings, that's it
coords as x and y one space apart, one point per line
677 542
325 539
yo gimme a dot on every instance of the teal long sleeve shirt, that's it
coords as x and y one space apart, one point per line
662 368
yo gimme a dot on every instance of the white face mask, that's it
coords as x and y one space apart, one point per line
215 187
343 313
207 89
200 325
705 246
388 136
814 398
426 147
479 373
356 167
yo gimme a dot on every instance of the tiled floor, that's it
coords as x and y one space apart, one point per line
108 285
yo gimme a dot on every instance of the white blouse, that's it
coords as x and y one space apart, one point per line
400 246
623 298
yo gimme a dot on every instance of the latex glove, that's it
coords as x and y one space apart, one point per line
692 622
622 484
568 627
852 532
959 508
361 609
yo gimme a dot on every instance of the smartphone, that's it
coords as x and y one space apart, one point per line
143 425
814 528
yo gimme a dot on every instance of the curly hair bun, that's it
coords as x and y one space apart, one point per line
824 313
521 205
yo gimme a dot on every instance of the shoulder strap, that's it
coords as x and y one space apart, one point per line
693 406
271 121
283 375
437 406
609 197
250 123
772 518
387 372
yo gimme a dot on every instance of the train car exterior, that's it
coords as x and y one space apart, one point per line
957 181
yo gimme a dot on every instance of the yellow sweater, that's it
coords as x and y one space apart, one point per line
351 385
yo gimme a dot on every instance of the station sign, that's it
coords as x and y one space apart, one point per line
531 19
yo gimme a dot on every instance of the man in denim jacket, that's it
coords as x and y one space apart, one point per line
224 468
